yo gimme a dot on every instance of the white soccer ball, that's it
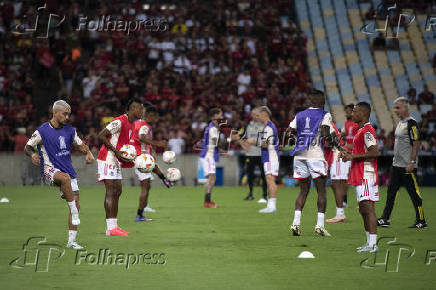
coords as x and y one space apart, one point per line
169 157
128 151
145 163
173 174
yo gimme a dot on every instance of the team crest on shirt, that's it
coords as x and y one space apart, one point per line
62 144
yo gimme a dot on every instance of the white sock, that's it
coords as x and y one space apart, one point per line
372 240
111 223
72 205
340 211
367 237
272 202
297 218
72 236
320 221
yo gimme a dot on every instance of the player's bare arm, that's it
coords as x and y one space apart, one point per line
367 156
34 155
83 148
161 143
103 138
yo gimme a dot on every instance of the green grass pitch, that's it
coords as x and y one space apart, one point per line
233 247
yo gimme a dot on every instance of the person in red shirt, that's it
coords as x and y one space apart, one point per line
348 132
110 160
363 173
142 139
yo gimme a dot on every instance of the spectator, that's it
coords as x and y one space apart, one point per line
426 97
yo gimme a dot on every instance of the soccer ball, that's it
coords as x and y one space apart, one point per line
145 163
169 157
173 174
129 151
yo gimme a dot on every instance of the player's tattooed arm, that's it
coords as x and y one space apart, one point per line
31 152
158 143
83 148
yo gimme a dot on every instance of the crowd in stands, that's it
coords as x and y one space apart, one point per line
226 53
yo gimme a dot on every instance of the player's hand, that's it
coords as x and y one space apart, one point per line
162 143
410 167
35 158
89 157
167 183
345 156
120 157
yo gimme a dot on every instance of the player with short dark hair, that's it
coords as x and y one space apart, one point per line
308 128
110 160
54 140
142 139
404 165
364 174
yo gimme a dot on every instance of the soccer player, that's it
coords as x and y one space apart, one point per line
363 173
210 154
253 158
142 139
338 171
269 143
116 134
54 140
404 165
309 128
348 132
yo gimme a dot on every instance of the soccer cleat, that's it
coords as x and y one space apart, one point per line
117 232
75 220
210 204
361 247
368 249
75 246
249 197
337 219
419 225
381 222
148 209
268 210
321 231
295 230
262 200
140 218
167 183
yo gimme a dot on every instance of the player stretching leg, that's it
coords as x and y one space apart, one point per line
210 154
55 140
338 171
116 134
269 154
363 173
142 139
309 127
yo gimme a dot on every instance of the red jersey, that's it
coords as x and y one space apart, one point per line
351 129
140 127
360 169
121 130
329 153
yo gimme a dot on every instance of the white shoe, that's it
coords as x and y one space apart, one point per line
268 210
75 246
75 220
361 247
368 249
321 231
148 209
262 200
344 204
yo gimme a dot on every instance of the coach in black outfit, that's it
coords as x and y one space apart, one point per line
404 165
